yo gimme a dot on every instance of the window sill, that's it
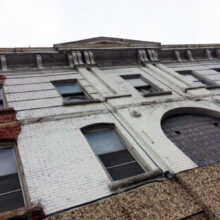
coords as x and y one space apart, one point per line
117 96
158 93
203 87
66 103
113 186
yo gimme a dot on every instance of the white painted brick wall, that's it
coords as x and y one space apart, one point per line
60 168
147 129
32 95
26 92
42 79
28 87
38 103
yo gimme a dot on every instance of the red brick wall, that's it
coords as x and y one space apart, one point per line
9 125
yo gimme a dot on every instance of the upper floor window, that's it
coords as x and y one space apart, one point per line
139 83
195 78
70 91
144 86
1 99
112 152
10 188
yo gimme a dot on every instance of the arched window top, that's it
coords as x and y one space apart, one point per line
191 111
97 126
103 138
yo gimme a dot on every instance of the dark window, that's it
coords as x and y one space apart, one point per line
217 69
1 99
195 78
141 84
70 91
10 189
113 153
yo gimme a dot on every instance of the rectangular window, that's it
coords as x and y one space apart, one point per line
141 84
194 78
1 99
70 91
10 189
113 154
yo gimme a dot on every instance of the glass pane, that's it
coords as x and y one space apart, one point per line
9 183
74 98
7 162
1 104
116 158
11 201
68 87
104 141
1 94
125 171
136 82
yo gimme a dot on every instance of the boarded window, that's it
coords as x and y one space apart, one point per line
70 91
113 153
10 189
196 135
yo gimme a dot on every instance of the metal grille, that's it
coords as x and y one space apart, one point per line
197 136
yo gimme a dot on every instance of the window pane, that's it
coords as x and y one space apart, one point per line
116 158
1 104
11 201
68 87
9 183
1 94
104 141
7 162
74 98
136 82
125 171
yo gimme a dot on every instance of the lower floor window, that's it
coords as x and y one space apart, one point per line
11 196
112 152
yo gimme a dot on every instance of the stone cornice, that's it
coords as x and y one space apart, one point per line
98 54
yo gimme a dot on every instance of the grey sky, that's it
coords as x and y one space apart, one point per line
45 22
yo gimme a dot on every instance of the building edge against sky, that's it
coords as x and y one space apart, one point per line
102 117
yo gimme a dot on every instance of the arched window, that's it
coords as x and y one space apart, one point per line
198 136
112 151
10 188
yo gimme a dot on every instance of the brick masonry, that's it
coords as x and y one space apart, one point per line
10 129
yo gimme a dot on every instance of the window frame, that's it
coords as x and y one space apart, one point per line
110 126
88 98
20 171
157 90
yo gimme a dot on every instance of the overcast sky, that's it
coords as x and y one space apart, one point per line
25 23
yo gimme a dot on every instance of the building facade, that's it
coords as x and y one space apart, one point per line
90 119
